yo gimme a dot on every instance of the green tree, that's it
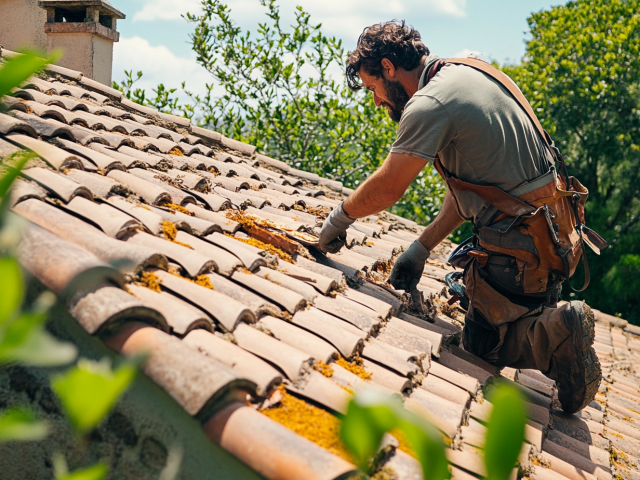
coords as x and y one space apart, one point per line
283 91
581 72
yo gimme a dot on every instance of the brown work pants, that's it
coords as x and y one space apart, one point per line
506 327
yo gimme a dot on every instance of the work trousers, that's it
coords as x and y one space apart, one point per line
507 327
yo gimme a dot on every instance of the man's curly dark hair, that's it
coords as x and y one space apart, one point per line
394 40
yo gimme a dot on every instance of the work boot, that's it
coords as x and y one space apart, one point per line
574 364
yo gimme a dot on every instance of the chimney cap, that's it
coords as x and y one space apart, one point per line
104 6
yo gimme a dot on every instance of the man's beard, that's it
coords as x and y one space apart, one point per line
398 98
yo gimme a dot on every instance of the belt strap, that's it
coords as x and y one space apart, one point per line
495 196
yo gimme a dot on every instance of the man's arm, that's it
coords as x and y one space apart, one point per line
446 222
385 186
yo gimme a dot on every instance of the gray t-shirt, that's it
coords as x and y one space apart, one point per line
480 133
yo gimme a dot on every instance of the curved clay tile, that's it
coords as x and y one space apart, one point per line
59 265
152 221
100 160
106 308
345 342
181 317
258 305
242 362
43 127
150 192
61 186
129 258
224 309
270 448
111 221
200 384
220 219
194 263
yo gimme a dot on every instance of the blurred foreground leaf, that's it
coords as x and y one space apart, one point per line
370 415
505 432
21 425
25 340
17 69
89 390
10 286
95 472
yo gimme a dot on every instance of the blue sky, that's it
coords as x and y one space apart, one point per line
154 37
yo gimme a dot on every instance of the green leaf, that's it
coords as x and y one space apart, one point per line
18 424
95 472
90 390
17 69
11 288
26 341
369 416
427 442
505 432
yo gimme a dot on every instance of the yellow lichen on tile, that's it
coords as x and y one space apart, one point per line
323 368
404 444
176 151
310 422
385 473
204 281
355 366
151 281
178 208
264 246
170 232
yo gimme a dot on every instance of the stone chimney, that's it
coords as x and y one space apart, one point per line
84 30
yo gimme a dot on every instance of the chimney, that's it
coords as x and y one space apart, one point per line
85 31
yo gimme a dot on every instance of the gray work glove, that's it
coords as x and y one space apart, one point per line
408 268
333 235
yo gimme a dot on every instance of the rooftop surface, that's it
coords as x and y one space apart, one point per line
205 248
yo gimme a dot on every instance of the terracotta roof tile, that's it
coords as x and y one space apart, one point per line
59 265
87 237
106 309
294 363
111 221
200 384
271 449
242 362
180 316
300 339
224 309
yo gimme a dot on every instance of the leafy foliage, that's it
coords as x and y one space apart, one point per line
21 424
581 72
505 432
283 92
370 415
89 390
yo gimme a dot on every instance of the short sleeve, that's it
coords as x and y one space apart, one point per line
425 129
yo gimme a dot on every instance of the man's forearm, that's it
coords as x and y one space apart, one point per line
446 222
384 187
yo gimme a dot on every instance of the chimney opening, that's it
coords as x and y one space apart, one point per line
64 15
106 20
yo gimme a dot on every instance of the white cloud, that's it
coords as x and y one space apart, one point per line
165 10
342 18
158 64
468 53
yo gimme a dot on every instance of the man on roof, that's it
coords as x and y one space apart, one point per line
474 124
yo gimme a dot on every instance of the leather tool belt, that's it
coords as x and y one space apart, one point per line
541 223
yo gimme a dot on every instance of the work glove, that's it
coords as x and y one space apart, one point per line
408 268
333 235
